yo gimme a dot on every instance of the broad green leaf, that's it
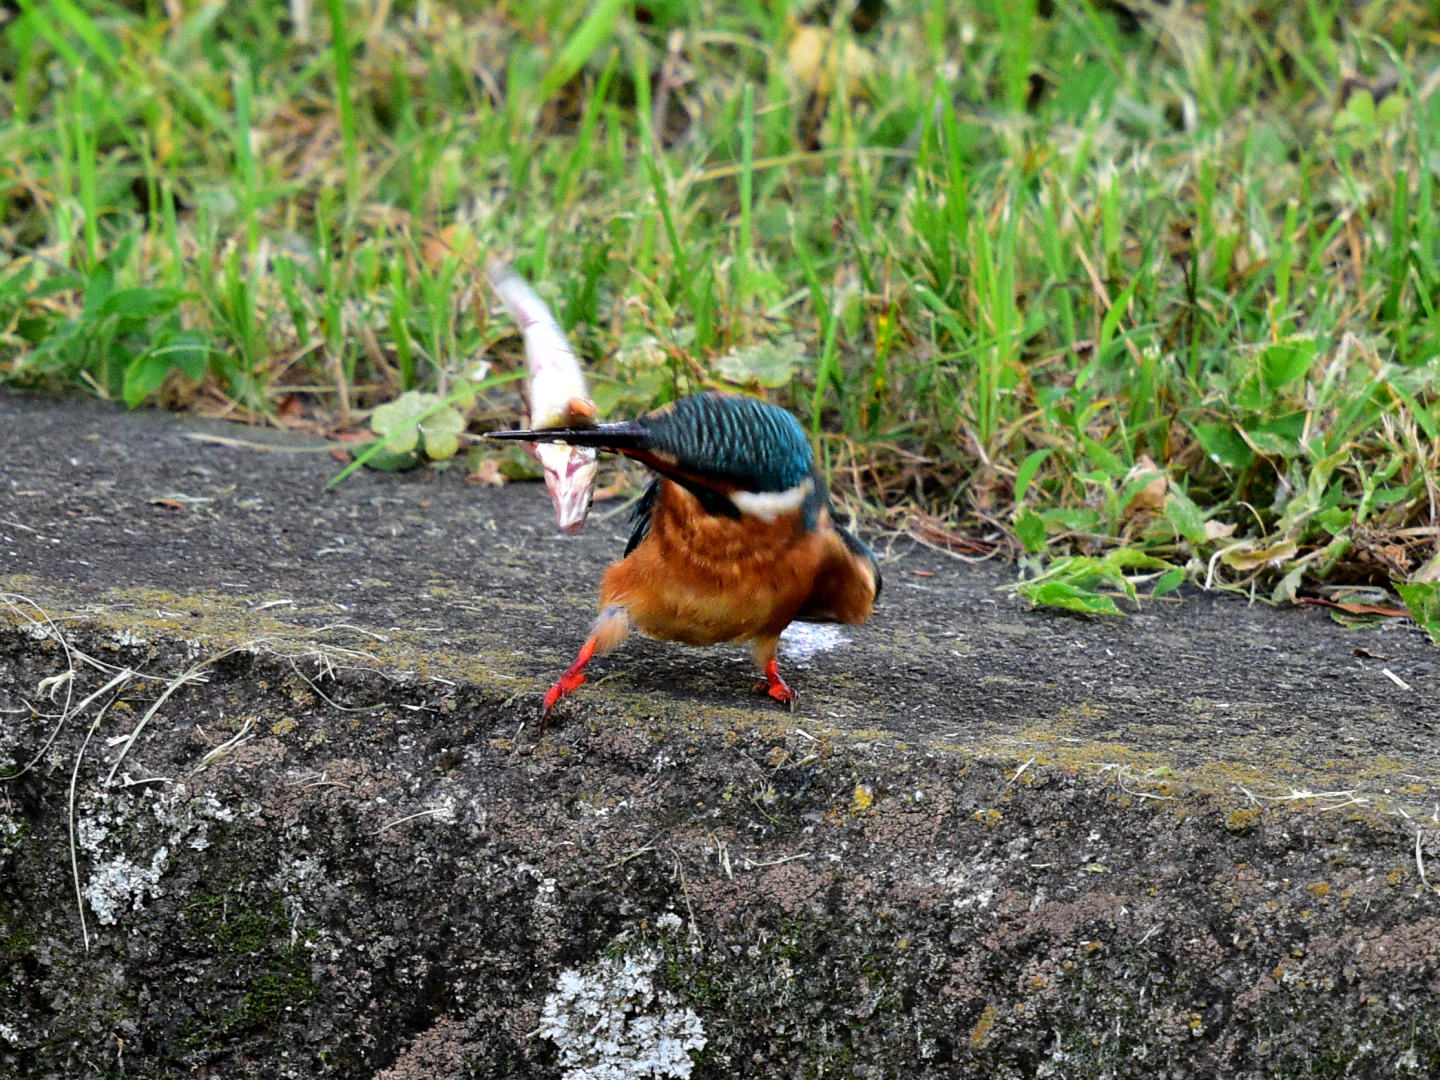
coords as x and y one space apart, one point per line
1390 496
639 392
1286 361
1224 446
1335 520
375 456
406 422
1185 516
187 350
1271 444
1061 595
1288 586
1129 558
1103 458
1423 600
1030 528
1391 109
1290 426
1077 519
143 377
1168 582
138 303
1359 111
768 363
398 421
442 433
57 284
1026 473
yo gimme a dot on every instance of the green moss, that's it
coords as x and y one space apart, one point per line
271 973
276 991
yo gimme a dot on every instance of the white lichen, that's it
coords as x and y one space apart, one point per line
610 1023
119 884
109 826
189 816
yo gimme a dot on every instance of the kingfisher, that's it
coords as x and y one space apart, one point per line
732 540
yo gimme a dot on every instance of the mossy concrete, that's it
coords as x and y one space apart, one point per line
991 842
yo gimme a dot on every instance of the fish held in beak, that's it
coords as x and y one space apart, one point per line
570 475
557 396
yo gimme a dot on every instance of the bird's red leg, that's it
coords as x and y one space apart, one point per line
573 677
777 686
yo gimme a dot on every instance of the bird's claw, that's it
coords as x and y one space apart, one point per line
566 684
777 688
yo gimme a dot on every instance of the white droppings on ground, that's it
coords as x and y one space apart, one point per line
610 1023
801 641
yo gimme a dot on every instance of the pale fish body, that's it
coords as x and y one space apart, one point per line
558 398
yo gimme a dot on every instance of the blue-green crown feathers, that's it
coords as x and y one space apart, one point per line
756 445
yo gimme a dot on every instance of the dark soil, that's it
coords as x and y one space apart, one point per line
992 842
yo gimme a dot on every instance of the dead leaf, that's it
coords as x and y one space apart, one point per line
811 61
1150 498
487 473
1218 530
1356 609
1275 555
1427 574
933 531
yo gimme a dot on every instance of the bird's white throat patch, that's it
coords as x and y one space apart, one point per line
768 505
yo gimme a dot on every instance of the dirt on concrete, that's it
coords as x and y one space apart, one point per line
288 813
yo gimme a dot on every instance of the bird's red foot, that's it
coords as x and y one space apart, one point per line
778 689
568 682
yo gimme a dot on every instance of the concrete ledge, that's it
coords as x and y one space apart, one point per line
992 843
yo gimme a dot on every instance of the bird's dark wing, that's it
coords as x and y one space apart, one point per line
859 547
640 516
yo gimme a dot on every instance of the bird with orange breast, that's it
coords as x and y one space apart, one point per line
732 540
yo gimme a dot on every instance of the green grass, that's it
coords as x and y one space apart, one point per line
1049 241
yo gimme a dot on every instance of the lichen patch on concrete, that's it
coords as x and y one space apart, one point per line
609 1022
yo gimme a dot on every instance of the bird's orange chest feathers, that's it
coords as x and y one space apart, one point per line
704 578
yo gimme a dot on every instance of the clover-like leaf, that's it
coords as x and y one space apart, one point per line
398 421
1423 600
769 363
442 433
